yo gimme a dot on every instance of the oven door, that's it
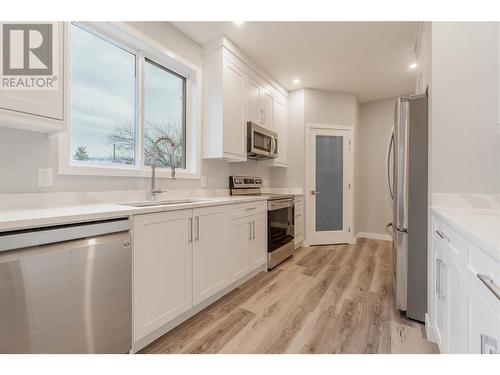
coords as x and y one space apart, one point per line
280 223
262 143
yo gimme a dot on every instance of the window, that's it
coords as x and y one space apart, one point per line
102 101
164 116
130 105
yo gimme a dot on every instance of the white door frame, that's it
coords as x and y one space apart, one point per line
350 176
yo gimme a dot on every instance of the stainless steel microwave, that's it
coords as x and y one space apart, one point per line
261 143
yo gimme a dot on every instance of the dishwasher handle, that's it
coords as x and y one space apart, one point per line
42 236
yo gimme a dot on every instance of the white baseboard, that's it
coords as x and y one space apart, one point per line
374 236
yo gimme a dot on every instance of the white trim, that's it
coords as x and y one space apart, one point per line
429 329
374 236
350 175
142 46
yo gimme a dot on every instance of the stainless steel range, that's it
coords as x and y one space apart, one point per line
280 218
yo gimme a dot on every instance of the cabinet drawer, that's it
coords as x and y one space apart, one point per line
443 234
483 272
247 209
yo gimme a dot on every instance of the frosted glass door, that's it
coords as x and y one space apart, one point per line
329 183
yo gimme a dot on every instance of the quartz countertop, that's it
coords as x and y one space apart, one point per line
25 218
480 226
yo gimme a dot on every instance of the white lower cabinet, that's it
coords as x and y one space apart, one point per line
258 243
210 257
162 269
464 314
183 258
247 243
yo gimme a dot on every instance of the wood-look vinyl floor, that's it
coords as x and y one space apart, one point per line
325 299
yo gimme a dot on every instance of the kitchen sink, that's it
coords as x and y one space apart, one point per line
170 202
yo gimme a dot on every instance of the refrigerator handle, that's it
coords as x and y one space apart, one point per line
389 149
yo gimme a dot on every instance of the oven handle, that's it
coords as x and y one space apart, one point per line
278 205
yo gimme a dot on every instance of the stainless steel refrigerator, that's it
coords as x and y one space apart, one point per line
407 166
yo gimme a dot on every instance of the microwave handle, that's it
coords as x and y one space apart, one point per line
273 145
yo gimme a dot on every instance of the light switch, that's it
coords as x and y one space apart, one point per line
45 177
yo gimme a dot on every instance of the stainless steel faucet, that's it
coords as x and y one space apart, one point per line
154 191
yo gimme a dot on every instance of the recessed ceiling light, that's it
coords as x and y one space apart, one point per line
239 23
296 81
413 66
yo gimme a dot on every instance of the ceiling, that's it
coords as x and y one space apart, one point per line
369 59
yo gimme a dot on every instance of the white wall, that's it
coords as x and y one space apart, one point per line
465 145
374 209
311 106
23 152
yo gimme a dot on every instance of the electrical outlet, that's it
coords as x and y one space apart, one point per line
45 177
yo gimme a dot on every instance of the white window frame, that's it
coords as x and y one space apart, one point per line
143 47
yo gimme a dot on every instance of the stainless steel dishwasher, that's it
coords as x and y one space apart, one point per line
67 289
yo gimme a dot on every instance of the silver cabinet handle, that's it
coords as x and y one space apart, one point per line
197 238
442 281
442 235
253 225
490 284
249 231
438 276
388 166
250 208
190 230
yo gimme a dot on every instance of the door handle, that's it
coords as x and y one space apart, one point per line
314 192
388 167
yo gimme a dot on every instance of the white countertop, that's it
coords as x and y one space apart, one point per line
14 219
480 226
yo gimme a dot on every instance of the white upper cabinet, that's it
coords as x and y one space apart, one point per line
267 103
236 92
253 102
280 126
39 110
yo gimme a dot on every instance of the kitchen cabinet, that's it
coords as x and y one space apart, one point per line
481 323
240 230
253 101
247 241
258 242
184 259
280 126
236 92
210 257
464 314
298 221
162 269
224 126
38 110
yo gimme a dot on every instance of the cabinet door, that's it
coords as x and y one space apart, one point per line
280 126
481 322
267 104
43 103
253 102
455 305
440 305
162 269
258 245
210 258
234 105
240 233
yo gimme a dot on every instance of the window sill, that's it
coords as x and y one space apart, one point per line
123 171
